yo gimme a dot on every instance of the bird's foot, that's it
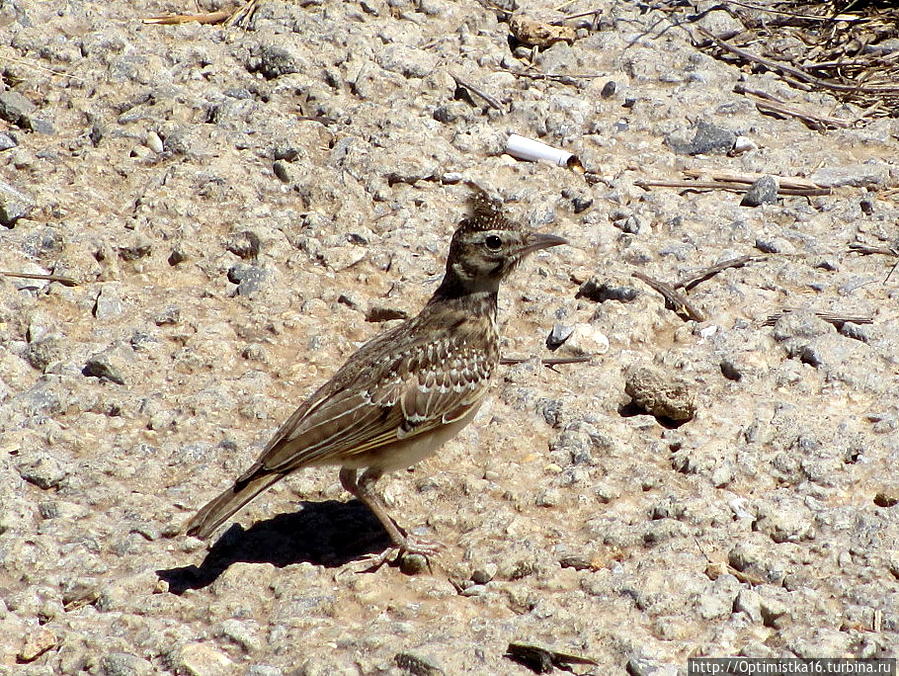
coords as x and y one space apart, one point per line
412 554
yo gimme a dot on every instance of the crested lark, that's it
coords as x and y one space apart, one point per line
403 394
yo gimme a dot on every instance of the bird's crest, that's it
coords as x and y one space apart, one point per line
486 212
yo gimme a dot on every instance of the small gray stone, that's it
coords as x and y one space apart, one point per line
177 256
109 302
41 353
139 247
14 204
731 369
855 331
661 393
16 109
245 244
601 291
171 315
413 564
282 170
558 335
484 574
708 138
631 225
642 666
416 665
104 365
124 664
43 470
609 89
241 634
773 613
274 60
200 659
7 141
749 602
249 278
763 191
265 670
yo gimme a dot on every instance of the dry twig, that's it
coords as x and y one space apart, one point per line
554 361
797 74
65 281
673 300
175 19
710 272
830 317
492 102
770 104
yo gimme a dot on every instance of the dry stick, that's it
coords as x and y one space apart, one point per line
673 300
244 15
557 361
799 73
865 250
829 317
65 281
37 66
174 19
813 120
710 272
791 182
580 15
561 79
809 17
492 102
733 186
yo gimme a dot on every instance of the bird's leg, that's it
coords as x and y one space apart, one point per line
362 487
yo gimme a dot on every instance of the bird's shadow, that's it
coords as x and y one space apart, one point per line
329 533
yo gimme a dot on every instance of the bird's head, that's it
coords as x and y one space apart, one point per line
487 246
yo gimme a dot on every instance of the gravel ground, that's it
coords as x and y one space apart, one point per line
241 207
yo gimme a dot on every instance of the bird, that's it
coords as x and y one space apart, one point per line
402 395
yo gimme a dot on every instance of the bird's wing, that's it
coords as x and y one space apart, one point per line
425 386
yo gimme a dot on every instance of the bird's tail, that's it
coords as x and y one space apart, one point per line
225 505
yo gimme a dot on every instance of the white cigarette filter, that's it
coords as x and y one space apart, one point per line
529 149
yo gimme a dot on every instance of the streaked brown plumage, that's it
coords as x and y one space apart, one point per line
406 392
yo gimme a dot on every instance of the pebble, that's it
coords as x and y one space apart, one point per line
708 138
109 303
763 191
154 142
43 470
245 244
14 204
661 393
583 340
200 659
125 664
416 665
749 602
105 365
38 641
7 141
249 278
241 634
602 290
643 666
483 574
413 564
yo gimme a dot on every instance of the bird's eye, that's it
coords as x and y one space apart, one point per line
493 242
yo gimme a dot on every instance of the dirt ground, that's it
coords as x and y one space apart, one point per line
232 210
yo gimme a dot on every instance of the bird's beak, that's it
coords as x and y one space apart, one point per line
534 241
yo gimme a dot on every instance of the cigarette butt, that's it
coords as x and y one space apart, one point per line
529 149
